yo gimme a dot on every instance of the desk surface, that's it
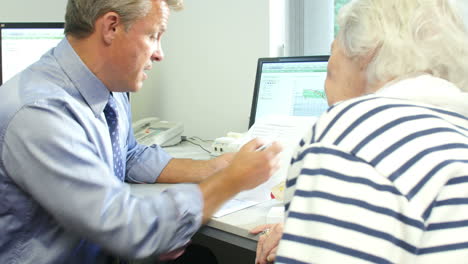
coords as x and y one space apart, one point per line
232 228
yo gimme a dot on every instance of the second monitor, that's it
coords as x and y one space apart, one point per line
291 86
22 44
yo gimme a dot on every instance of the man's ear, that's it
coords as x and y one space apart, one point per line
109 27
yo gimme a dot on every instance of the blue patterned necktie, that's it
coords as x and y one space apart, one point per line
110 111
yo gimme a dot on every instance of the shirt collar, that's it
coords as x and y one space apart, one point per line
428 89
94 92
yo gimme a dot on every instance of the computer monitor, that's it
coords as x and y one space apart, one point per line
289 86
22 44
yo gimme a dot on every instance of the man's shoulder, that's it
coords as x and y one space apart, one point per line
42 83
31 86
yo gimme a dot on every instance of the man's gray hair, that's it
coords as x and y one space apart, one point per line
406 37
82 14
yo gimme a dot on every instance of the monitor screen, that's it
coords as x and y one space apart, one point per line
289 86
22 44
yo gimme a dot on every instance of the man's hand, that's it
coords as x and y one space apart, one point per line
248 169
222 161
268 242
225 159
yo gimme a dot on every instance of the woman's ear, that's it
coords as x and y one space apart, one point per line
365 60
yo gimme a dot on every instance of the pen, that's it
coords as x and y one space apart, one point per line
264 146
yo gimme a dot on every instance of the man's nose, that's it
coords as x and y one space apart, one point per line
158 54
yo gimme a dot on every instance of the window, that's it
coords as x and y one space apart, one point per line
310 26
338 5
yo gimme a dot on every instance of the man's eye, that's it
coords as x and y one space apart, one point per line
154 37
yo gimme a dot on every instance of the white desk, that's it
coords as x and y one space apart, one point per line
232 228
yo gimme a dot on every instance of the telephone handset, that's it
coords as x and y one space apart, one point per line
152 130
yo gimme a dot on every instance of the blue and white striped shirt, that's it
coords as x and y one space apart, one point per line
382 178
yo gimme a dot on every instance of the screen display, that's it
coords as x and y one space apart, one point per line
294 88
23 44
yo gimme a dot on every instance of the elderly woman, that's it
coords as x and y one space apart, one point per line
382 176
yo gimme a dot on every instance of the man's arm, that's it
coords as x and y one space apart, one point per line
66 175
223 177
188 170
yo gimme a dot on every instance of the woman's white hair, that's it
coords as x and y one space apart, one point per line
405 37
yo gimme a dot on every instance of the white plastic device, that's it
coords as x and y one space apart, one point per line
152 130
230 143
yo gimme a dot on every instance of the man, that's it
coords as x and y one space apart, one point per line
66 146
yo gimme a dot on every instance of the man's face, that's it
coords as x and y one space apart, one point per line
134 50
345 78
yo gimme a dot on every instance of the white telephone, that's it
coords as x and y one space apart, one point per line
151 130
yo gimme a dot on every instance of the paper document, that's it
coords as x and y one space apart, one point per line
287 130
232 206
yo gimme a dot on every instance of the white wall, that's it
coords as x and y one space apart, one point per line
206 79
277 28
33 11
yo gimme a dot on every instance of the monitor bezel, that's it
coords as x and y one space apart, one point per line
25 25
261 61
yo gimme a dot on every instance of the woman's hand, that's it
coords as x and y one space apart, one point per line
267 242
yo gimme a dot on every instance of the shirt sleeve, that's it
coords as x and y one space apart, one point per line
341 210
144 163
49 155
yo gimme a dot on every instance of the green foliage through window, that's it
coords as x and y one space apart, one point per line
338 5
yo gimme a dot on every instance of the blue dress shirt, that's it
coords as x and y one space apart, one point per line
60 201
